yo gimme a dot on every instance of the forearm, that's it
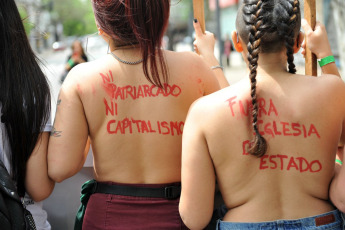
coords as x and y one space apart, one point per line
211 61
337 188
66 165
330 68
41 188
338 183
37 182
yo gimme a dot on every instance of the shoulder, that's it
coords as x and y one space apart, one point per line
324 83
82 75
83 71
185 58
331 84
216 102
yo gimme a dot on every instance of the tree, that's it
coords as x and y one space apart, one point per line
76 16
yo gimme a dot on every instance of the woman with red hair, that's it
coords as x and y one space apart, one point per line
132 103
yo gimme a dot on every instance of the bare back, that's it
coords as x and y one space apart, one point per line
301 118
135 127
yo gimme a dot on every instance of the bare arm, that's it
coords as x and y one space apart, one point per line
204 46
317 42
66 151
37 182
337 186
198 176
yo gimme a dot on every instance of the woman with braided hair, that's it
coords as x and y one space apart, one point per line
268 140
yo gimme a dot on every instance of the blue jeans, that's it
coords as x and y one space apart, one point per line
330 220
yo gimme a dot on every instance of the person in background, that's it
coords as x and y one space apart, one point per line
78 56
227 49
271 140
24 114
132 103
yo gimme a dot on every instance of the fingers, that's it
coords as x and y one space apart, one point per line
303 44
196 47
303 52
306 27
197 28
319 27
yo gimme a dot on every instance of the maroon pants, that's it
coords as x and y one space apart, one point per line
107 211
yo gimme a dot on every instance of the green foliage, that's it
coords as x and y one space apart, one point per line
76 16
180 10
24 16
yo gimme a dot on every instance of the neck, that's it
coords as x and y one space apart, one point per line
269 63
114 46
130 54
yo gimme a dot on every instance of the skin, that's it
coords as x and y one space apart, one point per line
314 38
37 183
204 46
212 147
130 158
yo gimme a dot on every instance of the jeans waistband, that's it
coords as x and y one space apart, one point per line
333 218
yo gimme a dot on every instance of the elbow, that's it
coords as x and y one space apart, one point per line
57 175
340 205
57 179
337 195
193 225
42 193
191 222
342 208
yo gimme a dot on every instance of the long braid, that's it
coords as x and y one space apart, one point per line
291 15
252 15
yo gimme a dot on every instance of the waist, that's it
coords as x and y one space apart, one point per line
167 191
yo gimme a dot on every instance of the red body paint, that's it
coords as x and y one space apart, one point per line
137 92
129 126
112 108
265 108
288 163
80 91
286 129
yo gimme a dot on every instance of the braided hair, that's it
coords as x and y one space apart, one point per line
287 13
267 26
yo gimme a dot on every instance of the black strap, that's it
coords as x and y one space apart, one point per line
169 192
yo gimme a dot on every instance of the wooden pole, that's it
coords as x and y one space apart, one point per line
310 16
199 12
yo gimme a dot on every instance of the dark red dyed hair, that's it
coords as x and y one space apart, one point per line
142 22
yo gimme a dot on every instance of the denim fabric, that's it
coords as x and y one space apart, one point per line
302 224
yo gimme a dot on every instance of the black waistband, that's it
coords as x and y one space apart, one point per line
168 192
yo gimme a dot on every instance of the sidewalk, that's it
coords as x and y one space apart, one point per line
237 69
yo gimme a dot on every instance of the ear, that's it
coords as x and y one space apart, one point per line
236 40
100 31
298 43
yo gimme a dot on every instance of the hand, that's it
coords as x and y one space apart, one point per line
204 45
317 40
77 59
204 42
